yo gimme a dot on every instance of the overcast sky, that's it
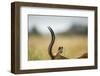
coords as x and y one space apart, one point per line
57 23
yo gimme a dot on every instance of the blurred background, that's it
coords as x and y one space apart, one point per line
71 33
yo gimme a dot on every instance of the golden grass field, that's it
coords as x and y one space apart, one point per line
74 46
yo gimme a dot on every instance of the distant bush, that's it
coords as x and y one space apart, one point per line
76 29
34 31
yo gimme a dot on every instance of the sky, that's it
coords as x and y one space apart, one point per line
57 23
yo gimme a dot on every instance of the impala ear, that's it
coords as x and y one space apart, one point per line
60 48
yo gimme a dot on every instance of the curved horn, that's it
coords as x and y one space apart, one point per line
51 43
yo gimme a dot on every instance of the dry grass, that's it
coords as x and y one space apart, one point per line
74 46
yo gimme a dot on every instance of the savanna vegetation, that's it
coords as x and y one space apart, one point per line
74 42
73 46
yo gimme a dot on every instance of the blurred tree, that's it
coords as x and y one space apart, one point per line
34 31
76 29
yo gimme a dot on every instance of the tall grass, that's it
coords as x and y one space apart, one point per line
74 46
